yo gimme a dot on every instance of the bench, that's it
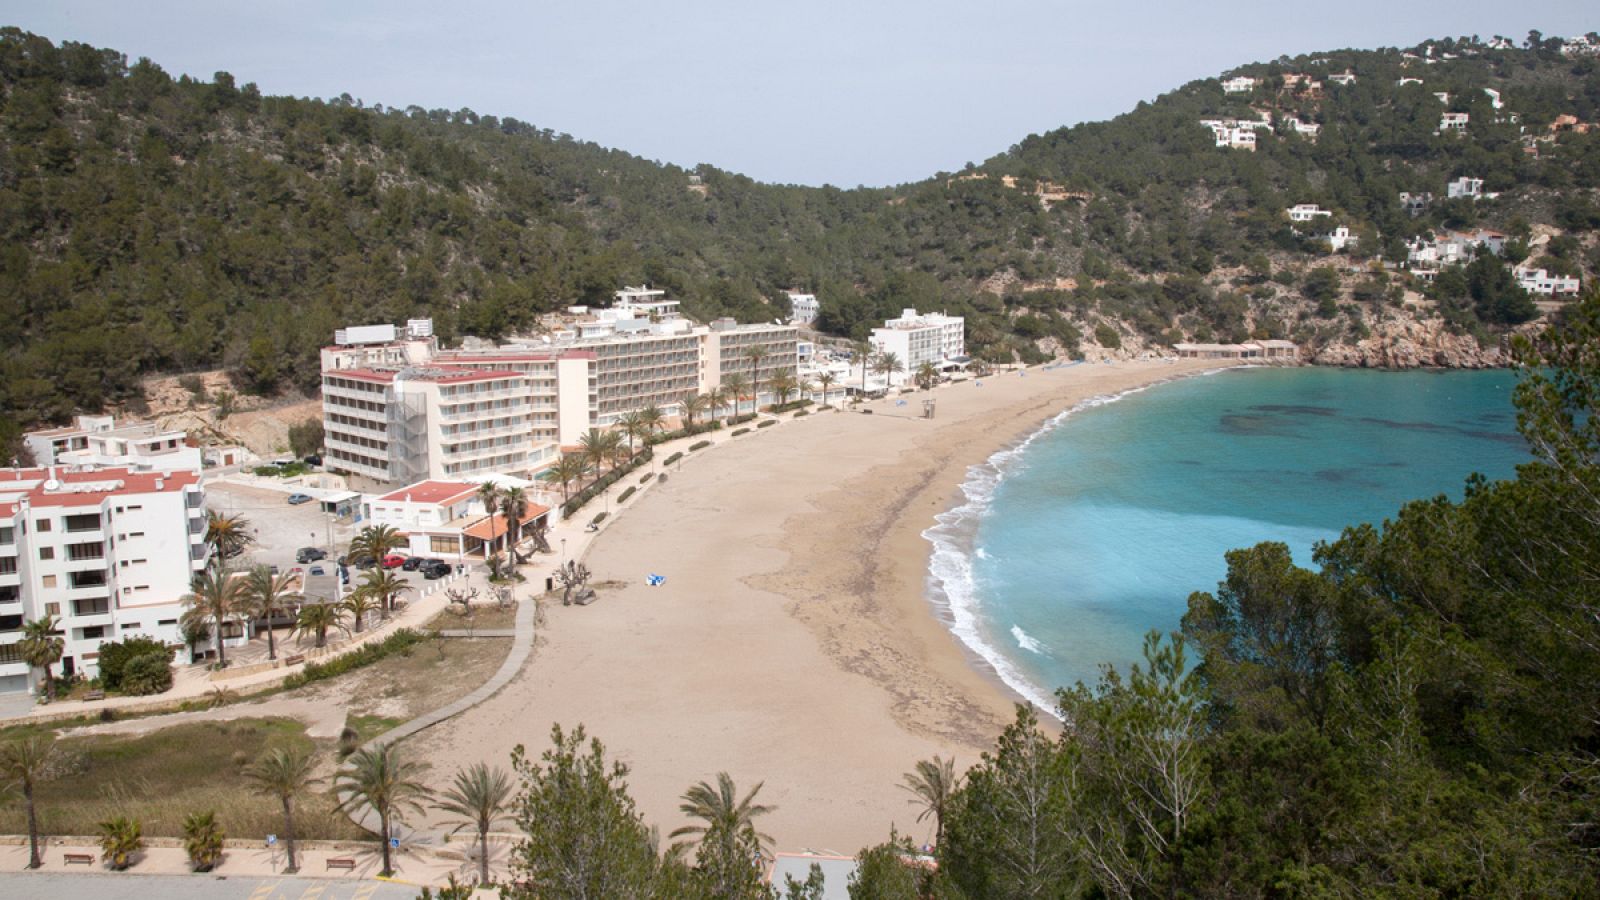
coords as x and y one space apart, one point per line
341 862
294 659
81 859
93 695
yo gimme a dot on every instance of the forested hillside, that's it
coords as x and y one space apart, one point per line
158 224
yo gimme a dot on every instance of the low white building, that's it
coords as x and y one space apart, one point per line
915 339
110 553
1237 134
1453 123
1345 77
447 519
1538 281
803 308
1239 84
1465 187
1305 212
1308 130
1415 204
1453 248
1340 238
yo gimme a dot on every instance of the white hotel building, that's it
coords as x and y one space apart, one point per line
915 339
110 553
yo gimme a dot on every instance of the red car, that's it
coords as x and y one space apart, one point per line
393 561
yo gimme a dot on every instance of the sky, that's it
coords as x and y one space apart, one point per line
842 92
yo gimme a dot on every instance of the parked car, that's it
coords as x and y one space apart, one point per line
361 561
309 554
436 569
313 460
393 561
318 570
297 498
412 563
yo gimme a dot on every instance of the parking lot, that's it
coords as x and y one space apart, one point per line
280 529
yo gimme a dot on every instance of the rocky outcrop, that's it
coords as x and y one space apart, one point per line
1414 344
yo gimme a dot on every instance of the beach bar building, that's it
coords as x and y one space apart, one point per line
1278 351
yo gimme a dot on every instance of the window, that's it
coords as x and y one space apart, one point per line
96 631
8 565
131 626
437 544
52 609
48 581
41 525
8 535
97 607
167 622
47 553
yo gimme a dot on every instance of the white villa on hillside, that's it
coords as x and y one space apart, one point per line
1538 281
1239 84
1305 212
1340 238
803 308
99 441
1464 187
1452 122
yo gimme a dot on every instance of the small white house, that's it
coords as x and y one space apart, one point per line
1465 187
1407 80
1307 130
1340 238
1453 123
1538 281
1239 84
1415 204
1305 212
1345 77
803 308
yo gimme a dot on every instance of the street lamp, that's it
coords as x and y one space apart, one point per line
563 552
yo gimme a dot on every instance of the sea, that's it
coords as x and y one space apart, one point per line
1074 543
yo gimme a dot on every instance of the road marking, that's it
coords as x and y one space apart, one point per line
313 892
364 892
264 891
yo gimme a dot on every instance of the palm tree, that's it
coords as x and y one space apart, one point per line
569 468
733 387
755 353
376 541
514 504
228 535
317 618
717 397
489 496
927 375
888 365
216 595
826 379
202 838
631 425
722 813
382 585
41 647
358 603
479 797
26 762
382 780
693 405
783 384
932 786
863 350
284 773
120 838
651 418
598 447
263 595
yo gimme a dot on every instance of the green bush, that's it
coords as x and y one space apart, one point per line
647 477
767 424
800 413
741 431
400 642
698 445
148 673
626 494
740 420
672 459
792 404
598 519
699 428
115 655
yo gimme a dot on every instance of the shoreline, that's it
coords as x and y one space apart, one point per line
793 642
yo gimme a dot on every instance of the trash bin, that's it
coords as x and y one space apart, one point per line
549 583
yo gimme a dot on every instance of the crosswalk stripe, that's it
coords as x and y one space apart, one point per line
363 892
263 891
313 892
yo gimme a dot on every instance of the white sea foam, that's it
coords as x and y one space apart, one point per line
1027 641
981 553
951 581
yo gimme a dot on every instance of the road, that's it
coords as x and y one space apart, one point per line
108 886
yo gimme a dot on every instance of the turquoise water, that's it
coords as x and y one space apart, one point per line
1095 530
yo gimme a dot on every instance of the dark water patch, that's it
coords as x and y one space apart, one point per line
1295 409
1514 440
1254 426
1187 462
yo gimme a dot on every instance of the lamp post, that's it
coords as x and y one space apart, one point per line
563 552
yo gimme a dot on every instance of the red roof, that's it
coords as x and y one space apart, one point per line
487 529
363 375
437 492
90 488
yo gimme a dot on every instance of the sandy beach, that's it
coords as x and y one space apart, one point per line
793 642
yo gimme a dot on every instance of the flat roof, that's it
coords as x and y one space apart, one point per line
84 488
437 492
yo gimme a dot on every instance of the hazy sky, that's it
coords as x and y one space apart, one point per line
844 92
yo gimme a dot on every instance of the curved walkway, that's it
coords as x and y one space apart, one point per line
521 646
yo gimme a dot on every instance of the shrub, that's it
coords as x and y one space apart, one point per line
120 838
741 431
672 459
202 838
800 413
148 673
699 445
115 656
349 741
740 420
400 642
626 494
598 519
767 424
194 385
647 477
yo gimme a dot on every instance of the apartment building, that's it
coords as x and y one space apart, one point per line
803 308
100 441
726 350
915 339
110 553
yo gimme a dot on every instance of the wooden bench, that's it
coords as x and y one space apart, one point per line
294 659
82 859
94 695
341 862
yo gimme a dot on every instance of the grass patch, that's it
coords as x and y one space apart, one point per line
161 777
402 642
369 727
478 617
